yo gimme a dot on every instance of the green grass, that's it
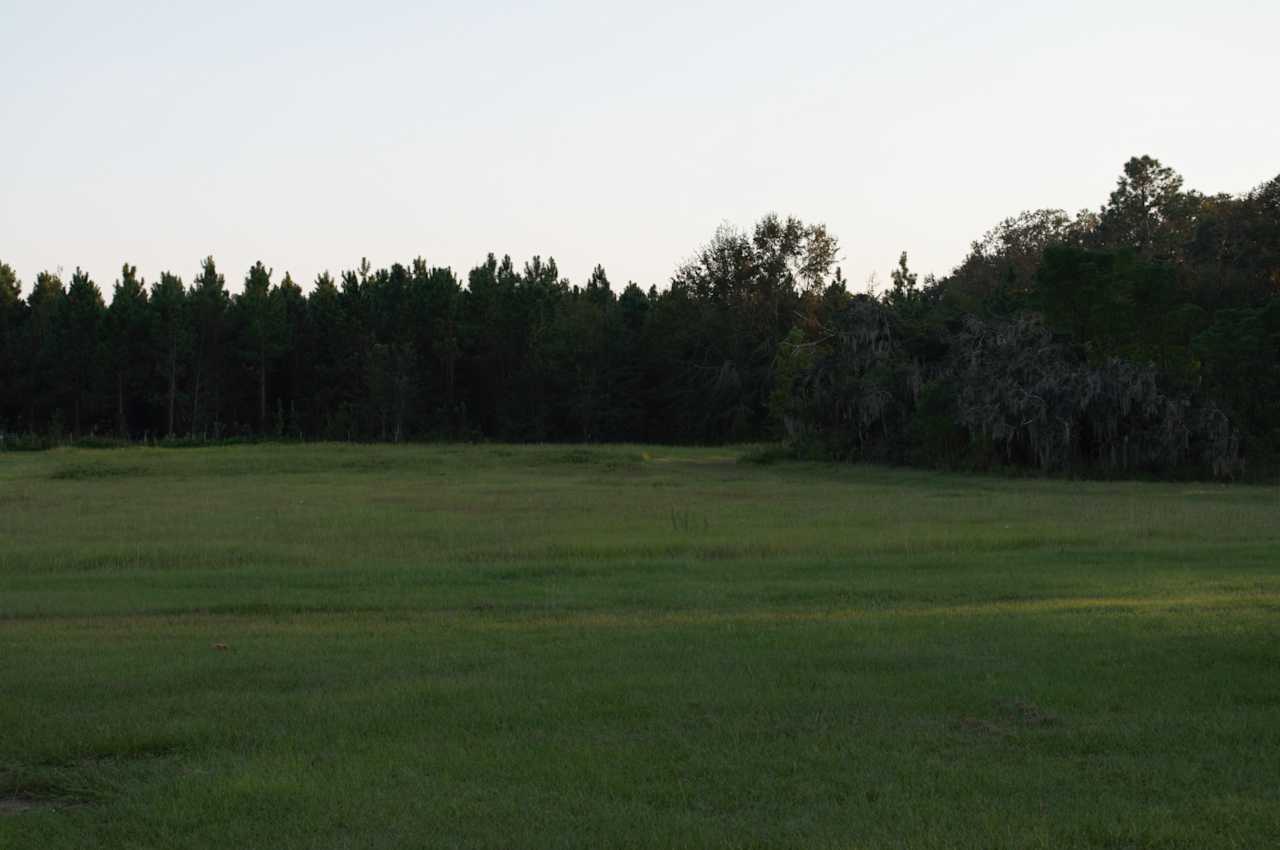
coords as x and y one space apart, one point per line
502 647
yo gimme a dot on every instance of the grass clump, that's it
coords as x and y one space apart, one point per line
91 471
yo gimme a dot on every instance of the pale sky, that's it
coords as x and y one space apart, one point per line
311 134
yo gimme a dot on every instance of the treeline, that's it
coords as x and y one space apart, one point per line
1141 338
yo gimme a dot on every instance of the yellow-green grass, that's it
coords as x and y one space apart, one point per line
550 646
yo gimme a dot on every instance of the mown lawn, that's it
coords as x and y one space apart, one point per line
508 647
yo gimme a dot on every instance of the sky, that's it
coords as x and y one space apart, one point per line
311 134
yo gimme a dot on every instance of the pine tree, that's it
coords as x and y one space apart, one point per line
170 340
127 338
208 301
83 343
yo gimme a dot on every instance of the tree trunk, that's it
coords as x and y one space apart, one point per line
262 397
195 405
173 387
122 425
450 369
402 393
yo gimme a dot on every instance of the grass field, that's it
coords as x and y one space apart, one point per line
507 647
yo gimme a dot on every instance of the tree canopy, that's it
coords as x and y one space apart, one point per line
1141 338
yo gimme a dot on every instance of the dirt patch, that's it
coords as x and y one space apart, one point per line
19 805
978 726
1014 717
699 461
1030 714
16 805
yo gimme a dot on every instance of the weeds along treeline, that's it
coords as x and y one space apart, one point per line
1143 338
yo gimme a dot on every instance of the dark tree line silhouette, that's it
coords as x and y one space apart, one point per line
1142 338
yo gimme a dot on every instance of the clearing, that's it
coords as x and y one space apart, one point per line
335 646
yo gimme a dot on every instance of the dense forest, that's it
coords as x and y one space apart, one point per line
1142 338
